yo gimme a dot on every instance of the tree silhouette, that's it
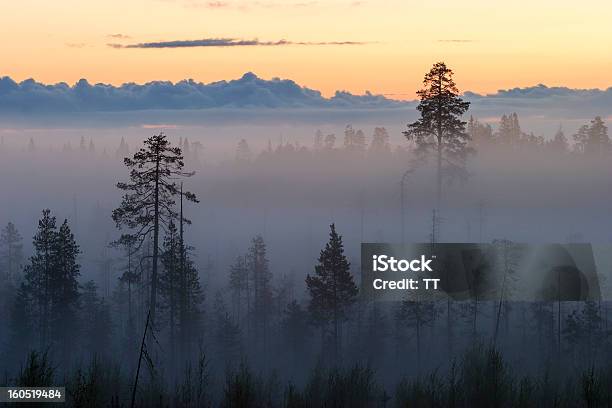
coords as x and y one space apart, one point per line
380 142
64 288
261 277
331 288
148 203
509 133
354 140
51 283
180 289
243 152
593 140
440 129
39 271
481 134
559 143
169 280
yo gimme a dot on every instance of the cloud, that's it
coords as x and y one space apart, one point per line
227 42
250 93
243 5
76 45
218 4
119 36
456 41
251 5
541 100
29 96
214 4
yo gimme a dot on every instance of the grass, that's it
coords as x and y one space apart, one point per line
481 378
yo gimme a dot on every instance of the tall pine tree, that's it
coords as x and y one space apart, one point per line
440 129
148 204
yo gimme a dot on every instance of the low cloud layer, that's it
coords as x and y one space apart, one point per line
30 98
541 100
227 42
249 91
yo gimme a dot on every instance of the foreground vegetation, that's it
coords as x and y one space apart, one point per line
480 378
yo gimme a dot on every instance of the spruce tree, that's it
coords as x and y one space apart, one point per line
331 288
148 204
180 290
64 288
51 283
169 287
440 129
191 299
38 273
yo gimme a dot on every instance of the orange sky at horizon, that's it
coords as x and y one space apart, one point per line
551 42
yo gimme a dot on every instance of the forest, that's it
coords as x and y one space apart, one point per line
151 272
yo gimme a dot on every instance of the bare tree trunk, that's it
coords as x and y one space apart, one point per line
142 346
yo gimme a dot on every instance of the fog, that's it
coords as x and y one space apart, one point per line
288 188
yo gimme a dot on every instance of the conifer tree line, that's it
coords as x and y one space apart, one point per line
272 326
506 136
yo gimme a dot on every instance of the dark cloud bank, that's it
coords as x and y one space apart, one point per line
247 92
250 93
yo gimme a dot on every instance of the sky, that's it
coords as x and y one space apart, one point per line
384 46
